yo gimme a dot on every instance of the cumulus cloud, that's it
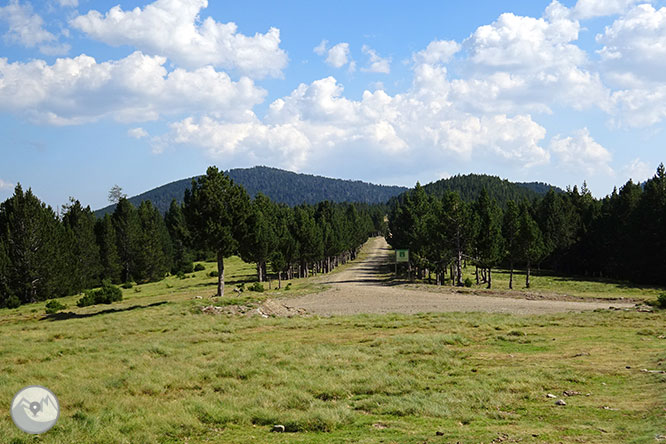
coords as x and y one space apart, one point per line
338 55
5 185
437 52
586 9
638 171
582 152
320 49
25 27
173 28
137 133
136 88
316 120
376 63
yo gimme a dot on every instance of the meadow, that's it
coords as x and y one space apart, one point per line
154 369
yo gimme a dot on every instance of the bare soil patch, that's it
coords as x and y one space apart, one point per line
364 288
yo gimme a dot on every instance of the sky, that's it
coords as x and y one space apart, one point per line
141 93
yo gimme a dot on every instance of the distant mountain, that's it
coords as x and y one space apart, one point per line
469 187
281 186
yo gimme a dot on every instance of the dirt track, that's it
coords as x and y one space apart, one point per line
362 289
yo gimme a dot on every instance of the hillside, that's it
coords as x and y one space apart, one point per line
280 185
470 185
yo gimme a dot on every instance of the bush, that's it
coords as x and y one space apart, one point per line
288 287
661 301
105 295
199 267
181 275
13 302
256 287
54 307
213 274
128 285
468 282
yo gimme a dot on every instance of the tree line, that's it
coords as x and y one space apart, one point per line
44 254
621 236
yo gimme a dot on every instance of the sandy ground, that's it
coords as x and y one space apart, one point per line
362 289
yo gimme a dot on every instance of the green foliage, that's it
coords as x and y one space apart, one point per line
127 285
54 307
258 287
661 301
468 282
107 294
213 273
199 267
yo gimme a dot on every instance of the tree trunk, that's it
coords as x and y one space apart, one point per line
490 278
476 271
511 277
279 280
459 269
527 276
259 271
220 274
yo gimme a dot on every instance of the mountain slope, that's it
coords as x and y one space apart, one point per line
281 186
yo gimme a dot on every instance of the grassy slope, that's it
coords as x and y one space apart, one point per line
145 373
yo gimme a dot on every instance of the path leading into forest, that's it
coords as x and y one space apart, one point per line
362 288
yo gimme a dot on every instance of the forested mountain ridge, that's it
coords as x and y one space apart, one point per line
469 188
279 185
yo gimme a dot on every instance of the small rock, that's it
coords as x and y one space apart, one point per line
278 428
603 383
570 393
551 396
653 371
581 354
560 402
198 297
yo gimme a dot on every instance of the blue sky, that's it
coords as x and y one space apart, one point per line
140 93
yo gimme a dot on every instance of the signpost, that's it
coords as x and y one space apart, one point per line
400 256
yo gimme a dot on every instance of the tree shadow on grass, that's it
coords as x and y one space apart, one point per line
72 315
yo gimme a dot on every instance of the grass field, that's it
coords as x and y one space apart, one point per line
153 369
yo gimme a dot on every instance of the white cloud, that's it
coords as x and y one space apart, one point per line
437 52
338 55
526 64
638 171
582 152
376 63
585 9
69 3
318 124
25 27
136 88
320 49
137 133
173 28
6 185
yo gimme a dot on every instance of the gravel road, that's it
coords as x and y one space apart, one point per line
362 289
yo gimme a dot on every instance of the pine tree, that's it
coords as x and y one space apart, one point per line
511 233
216 212
85 265
31 234
152 259
259 240
180 239
108 251
530 241
488 239
128 231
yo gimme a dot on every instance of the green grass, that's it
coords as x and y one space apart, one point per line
151 369
545 283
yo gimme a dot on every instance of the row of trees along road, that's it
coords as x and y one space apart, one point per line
44 254
621 236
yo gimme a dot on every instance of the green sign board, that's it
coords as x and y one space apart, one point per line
402 255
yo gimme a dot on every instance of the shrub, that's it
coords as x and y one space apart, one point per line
13 302
256 287
288 287
105 295
661 301
54 307
213 274
180 275
468 282
128 285
199 267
